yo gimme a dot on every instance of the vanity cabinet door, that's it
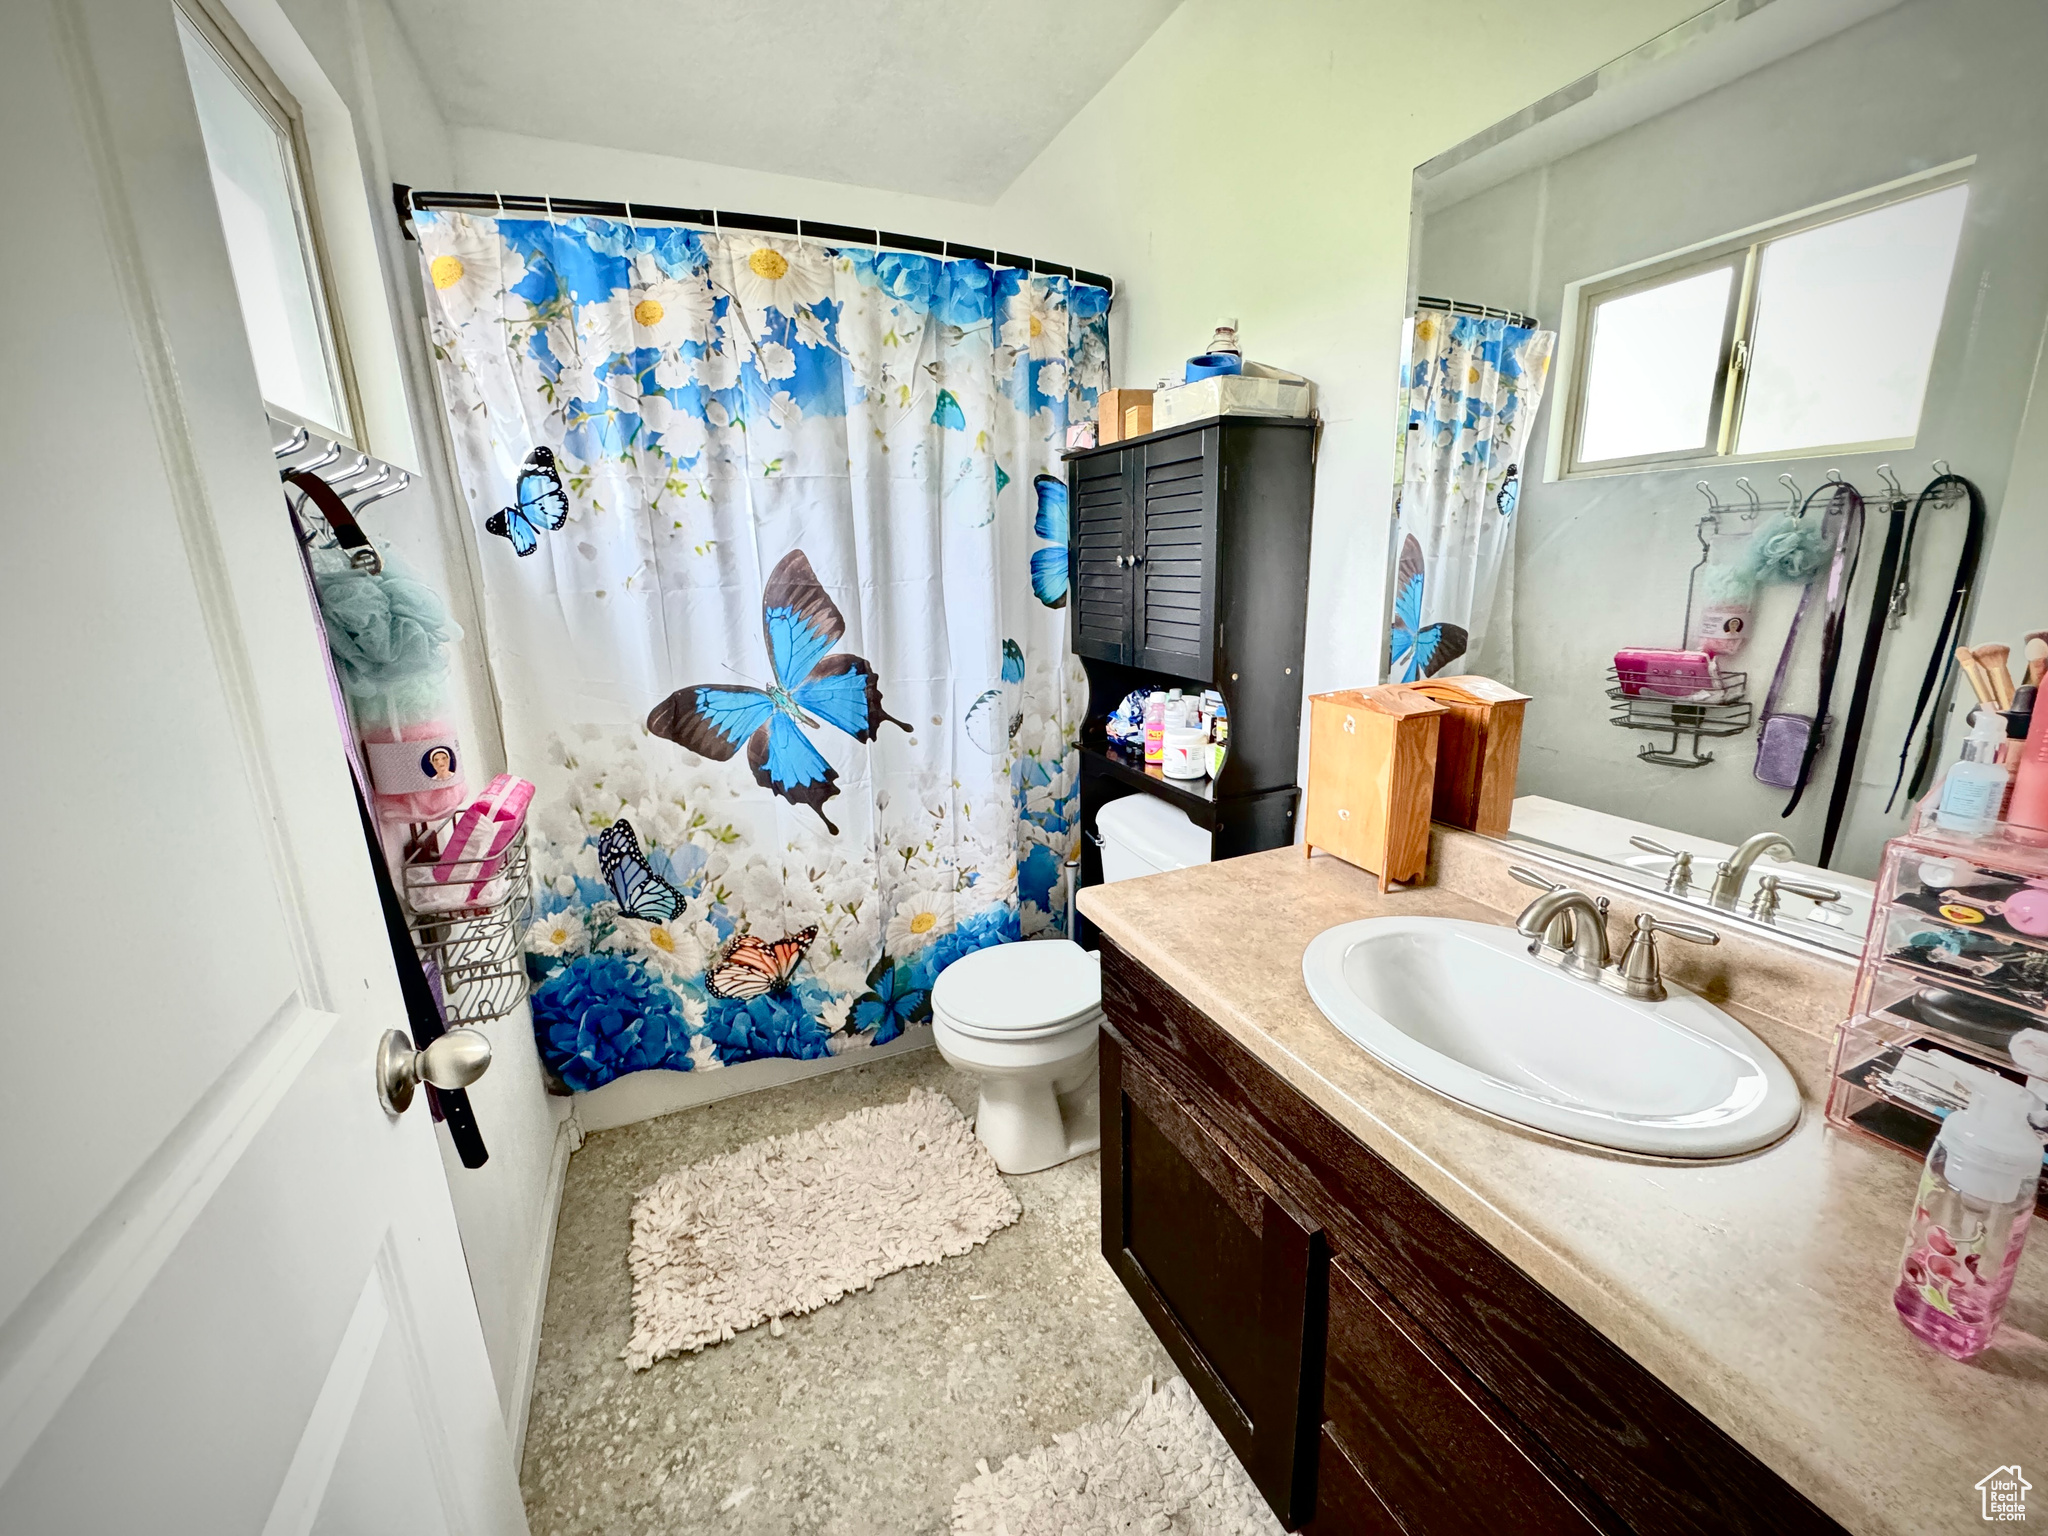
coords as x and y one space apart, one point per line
1175 538
1228 1273
1102 490
1431 1442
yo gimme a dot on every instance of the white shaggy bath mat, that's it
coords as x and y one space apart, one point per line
1159 1465
786 1225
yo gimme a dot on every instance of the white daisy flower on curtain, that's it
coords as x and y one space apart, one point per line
605 327
1035 321
562 934
465 267
781 275
917 920
677 949
668 310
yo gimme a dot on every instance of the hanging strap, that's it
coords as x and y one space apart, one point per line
1940 663
1847 508
348 533
1875 625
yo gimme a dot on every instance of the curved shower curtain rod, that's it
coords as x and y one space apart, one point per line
406 200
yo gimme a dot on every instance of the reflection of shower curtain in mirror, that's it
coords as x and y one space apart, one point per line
1471 387
773 539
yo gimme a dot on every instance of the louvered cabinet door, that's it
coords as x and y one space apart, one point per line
1176 549
1102 494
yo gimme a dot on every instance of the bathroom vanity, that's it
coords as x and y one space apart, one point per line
1406 1316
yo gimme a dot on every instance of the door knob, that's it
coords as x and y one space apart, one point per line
453 1060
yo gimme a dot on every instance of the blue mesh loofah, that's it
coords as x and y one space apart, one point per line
1789 549
387 632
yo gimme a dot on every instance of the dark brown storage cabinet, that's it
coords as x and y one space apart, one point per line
1189 558
1379 1370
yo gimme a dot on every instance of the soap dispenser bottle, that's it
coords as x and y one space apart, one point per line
1970 1220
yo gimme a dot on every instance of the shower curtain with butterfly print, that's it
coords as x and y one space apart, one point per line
1471 387
773 543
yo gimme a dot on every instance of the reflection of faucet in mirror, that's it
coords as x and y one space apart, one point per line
1764 905
1588 954
1678 878
1733 870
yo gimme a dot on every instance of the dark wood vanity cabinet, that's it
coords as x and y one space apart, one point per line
1376 1367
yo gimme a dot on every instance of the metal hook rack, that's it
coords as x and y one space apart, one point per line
357 492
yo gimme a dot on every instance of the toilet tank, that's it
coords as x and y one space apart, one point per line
1145 836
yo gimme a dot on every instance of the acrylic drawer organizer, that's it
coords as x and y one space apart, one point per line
475 948
1722 710
1945 984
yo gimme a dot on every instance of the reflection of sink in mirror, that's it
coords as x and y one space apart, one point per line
1574 831
1464 1009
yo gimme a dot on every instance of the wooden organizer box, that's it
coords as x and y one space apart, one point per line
1478 751
1371 777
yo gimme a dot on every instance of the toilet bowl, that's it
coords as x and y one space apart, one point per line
1024 1018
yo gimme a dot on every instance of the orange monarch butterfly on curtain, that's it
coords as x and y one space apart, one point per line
752 967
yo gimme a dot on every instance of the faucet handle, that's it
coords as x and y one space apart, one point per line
1530 877
1764 905
1641 976
1678 878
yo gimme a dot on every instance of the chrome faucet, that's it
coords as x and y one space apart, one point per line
1638 974
1588 955
1733 870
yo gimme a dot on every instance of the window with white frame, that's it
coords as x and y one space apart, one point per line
1813 336
255 151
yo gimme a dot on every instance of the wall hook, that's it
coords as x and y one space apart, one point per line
290 445
1756 502
1941 466
1891 481
1707 491
1798 496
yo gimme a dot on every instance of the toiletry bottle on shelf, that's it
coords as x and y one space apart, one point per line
1176 718
1974 788
1970 1220
1155 727
1224 342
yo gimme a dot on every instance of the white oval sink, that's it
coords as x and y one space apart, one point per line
1464 1009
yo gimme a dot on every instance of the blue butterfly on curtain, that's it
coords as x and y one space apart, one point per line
801 624
1049 565
639 891
994 719
1418 652
1510 493
541 504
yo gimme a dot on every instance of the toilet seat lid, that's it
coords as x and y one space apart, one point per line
1019 991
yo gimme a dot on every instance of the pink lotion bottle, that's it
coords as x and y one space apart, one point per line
1970 1220
2029 804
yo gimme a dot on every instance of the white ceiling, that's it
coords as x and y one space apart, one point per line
948 98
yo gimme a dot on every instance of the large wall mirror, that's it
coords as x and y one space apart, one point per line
1779 281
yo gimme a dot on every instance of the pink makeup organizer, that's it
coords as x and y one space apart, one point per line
1946 982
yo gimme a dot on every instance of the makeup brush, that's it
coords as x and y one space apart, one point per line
2037 658
1993 659
1980 680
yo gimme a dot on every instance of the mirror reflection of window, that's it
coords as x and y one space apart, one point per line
1846 319
1816 339
252 155
1654 366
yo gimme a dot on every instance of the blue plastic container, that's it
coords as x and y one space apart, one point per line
1210 364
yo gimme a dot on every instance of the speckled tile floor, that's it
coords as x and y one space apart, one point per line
863 1417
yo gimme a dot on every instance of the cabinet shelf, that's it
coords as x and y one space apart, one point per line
1195 796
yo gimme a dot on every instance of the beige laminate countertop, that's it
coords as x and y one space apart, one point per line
1759 1290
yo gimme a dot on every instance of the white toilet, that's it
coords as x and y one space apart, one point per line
1023 1017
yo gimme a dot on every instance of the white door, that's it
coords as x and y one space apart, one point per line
232 1297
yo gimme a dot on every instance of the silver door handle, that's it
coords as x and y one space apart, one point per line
453 1060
